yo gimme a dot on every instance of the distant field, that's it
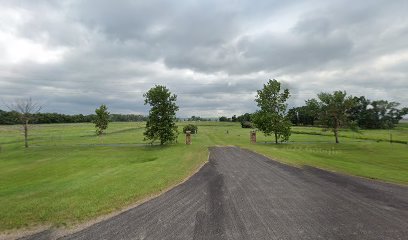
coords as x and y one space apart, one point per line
68 175
398 134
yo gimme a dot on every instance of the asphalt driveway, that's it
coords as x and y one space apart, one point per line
243 195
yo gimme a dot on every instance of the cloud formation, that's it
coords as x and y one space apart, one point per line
75 55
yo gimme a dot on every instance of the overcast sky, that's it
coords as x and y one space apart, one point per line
74 55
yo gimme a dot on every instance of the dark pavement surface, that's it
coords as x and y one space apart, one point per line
243 195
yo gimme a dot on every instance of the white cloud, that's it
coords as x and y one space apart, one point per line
74 55
17 50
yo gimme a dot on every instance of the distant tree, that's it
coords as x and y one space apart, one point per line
234 118
334 113
246 124
297 116
271 118
196 118
312 110
387 114
25 109
9 117
246 117
161 122
379 114
224 119
305 115
190 127
362 114
101 119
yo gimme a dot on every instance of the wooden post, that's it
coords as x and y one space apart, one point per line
252 136
188 137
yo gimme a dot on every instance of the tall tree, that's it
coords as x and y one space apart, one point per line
312 110
334 111
271 118
305 115
386 114
26 110
161 122
101 119
363 114
379 114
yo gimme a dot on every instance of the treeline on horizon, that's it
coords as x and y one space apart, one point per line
365 114
12 117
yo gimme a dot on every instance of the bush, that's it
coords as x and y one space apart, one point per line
190 127
247 124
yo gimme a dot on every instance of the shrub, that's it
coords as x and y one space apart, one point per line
190 127
247 124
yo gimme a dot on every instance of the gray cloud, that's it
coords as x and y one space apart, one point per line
75 55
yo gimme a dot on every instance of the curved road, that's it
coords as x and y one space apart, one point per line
243 195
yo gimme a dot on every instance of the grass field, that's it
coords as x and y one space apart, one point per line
397 135
68 175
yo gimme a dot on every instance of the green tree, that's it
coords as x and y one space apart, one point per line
9 118
385 114
246 117
190 127
271 118
161 122
101 119
334 112
245 120
224 119
379 114
305 115
312 110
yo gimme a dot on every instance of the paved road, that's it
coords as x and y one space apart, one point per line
243 195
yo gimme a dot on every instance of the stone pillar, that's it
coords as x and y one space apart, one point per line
188 137
252 136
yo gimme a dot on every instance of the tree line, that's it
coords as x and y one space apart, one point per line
13 117
362 112
331 111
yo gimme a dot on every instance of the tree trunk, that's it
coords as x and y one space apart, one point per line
26 134
336 135
276 138
336 130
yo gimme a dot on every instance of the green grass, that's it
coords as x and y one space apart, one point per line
398 134
68 175
367 158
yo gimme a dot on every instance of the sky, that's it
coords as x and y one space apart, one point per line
72 55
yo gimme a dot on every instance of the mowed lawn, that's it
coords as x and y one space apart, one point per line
68 175
398 134
366 158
